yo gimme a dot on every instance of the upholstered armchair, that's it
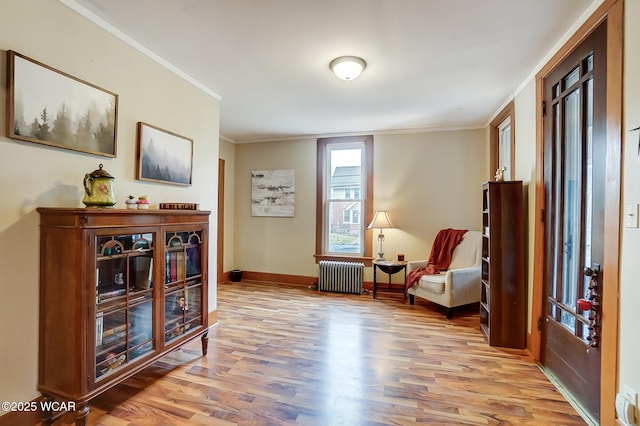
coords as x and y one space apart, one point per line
460 284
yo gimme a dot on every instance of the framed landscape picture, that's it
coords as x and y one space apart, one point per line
163 156
50 107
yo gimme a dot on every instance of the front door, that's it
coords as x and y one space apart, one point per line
574 179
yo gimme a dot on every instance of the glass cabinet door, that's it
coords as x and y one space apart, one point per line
124 300
183 283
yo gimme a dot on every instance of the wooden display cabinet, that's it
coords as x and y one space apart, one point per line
118 290
503 292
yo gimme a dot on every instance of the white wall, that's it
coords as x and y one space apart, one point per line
281 245
427 181
525 168
629 343
33 175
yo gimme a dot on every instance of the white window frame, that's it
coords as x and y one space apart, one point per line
323 192
346 194
504 147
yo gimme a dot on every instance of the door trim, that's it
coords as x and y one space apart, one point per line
220 219
612 11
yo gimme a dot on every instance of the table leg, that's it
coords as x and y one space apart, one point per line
405 283
205 343
81 415
374 280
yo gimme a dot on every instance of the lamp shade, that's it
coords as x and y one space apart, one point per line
347 67
380 221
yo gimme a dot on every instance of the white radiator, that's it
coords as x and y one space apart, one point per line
342 277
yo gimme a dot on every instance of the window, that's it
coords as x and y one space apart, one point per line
502 139
351 215
344 197
346 216
355 216
504 146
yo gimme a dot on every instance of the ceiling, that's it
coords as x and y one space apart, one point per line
431 64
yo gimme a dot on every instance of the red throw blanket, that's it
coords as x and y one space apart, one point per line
441 252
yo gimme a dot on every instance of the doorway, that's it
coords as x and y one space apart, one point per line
574 180
548 297
220 219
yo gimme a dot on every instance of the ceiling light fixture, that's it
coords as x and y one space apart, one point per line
347 67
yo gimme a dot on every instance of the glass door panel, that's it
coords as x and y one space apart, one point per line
110 278
174 265
194 303
124 300
572 202
140 332
183 283
193 261
175 305
111 337
572 199
141 272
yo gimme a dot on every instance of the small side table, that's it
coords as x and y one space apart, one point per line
389 267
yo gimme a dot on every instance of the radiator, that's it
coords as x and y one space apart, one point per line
341 277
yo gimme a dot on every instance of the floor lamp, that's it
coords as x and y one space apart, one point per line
380 221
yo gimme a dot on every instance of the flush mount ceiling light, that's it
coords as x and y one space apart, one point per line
347 67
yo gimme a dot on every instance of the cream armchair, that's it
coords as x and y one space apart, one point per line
457 286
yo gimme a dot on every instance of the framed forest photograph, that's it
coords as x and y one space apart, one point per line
163 156
50 107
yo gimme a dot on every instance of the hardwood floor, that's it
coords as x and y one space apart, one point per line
286 354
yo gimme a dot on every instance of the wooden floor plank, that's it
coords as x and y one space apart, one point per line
287 355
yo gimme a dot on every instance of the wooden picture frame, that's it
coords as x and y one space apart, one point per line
163 156
50 107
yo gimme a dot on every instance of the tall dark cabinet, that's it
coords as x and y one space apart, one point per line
118 290
503 299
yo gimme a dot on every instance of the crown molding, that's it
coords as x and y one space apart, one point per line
131 42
